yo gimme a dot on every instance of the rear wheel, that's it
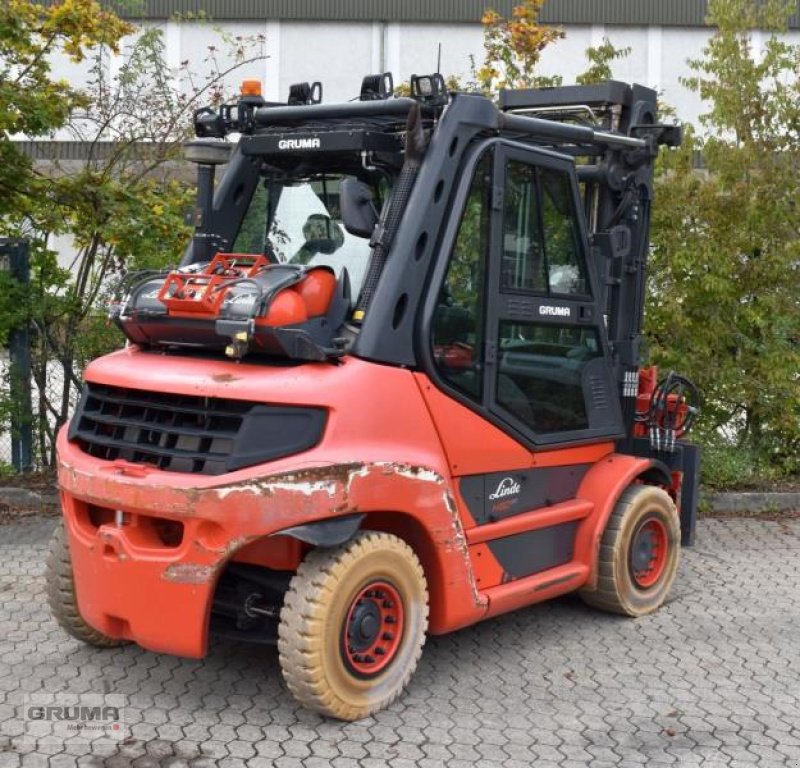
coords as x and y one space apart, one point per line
61 595
639 553
353 625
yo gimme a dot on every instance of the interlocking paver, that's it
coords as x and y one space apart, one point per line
708 681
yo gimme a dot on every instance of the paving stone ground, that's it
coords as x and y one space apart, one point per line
713 679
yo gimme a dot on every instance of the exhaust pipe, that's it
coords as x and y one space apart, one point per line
207 154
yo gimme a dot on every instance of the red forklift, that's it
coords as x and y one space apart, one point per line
393 388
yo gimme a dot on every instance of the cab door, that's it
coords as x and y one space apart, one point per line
547 373
525 400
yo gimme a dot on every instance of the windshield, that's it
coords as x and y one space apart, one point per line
299 222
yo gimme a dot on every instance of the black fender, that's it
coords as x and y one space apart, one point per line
687 460
657 474
325 533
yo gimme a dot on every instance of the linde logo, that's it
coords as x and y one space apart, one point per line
546 309
299 144
508 487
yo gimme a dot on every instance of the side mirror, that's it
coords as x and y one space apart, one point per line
359 214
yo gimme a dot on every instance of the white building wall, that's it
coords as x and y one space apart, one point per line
337 54
418 49
566 57
340 53
194 42
677 47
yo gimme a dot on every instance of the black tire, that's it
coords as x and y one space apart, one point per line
61 595
336 622
639 553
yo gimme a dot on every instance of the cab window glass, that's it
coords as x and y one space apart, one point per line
541 242
299 222
459 318
565 271
541 371
252 237
523 267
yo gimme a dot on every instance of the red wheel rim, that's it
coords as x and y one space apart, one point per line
373 629
648 555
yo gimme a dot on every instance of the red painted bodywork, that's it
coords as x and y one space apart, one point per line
393 448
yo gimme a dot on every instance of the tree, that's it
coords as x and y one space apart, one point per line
724 277
600 58
32 101
124 205
513 48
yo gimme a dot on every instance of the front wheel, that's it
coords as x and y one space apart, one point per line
639 553
353 625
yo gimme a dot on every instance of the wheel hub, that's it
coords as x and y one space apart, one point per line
373 629
648 554
365 621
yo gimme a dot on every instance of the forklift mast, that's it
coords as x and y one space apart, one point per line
617 186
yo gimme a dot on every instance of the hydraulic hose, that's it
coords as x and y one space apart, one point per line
674 406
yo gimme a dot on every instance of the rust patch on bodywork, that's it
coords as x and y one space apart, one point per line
459 542
189 573
225 550
335 472
221 519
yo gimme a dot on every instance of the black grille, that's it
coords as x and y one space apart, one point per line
177 433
